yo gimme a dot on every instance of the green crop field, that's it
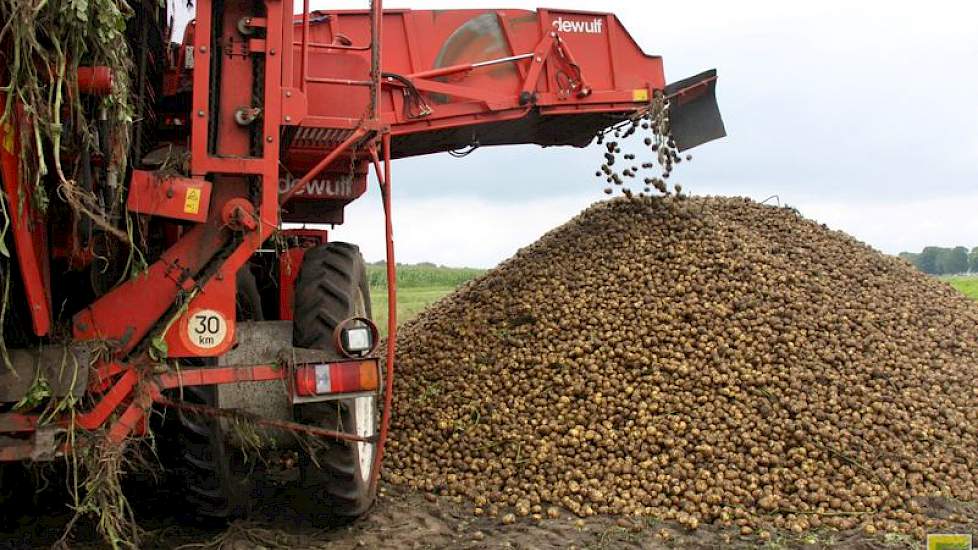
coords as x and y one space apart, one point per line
417 286
967 284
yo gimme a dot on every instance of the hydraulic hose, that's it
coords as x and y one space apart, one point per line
391 306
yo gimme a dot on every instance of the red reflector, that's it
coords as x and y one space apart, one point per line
305 381
345 377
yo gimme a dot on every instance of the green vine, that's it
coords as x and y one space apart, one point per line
43 43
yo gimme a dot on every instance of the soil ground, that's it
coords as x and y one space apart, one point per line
402 519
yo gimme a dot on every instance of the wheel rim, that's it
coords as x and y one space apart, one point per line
364 411
363 419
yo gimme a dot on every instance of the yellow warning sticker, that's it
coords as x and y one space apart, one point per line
640 94
191 204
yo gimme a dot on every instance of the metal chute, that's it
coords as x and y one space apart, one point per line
694 116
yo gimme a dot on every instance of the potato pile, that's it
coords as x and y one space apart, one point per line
702 360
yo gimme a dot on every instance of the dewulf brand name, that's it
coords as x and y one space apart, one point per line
319 187
568 25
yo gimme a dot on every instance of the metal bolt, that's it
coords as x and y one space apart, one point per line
288 118
268 139
219 276
200 113
539 59
203 49
271 51
288 93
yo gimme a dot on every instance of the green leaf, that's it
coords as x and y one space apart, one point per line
81 10
159 349
38 392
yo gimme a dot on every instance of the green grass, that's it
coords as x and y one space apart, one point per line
417 287
421 275
410 302
966 284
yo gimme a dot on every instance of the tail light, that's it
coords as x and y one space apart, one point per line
345 377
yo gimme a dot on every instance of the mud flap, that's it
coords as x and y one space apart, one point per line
694 116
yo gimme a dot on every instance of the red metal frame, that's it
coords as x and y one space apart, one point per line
95 80
288 269
29 232
279 424
326 87
13 422
14 452
126 391
289 262
169 196
482 97
391 310
305 94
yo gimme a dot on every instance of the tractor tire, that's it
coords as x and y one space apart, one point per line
248 298
215 486
332 287
199 457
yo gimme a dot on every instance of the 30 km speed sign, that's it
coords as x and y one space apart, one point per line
207 328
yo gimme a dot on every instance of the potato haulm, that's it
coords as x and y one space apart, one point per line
704 360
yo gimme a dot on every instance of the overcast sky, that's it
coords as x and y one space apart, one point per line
863 115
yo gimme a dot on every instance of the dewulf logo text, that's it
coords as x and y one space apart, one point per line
589 27
342 187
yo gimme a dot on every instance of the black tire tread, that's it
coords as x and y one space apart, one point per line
248 298
198 453
325 295
325 292
203 467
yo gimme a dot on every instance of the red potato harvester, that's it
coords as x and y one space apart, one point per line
258 118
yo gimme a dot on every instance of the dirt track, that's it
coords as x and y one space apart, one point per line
409 520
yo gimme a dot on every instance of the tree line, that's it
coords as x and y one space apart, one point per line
936 260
